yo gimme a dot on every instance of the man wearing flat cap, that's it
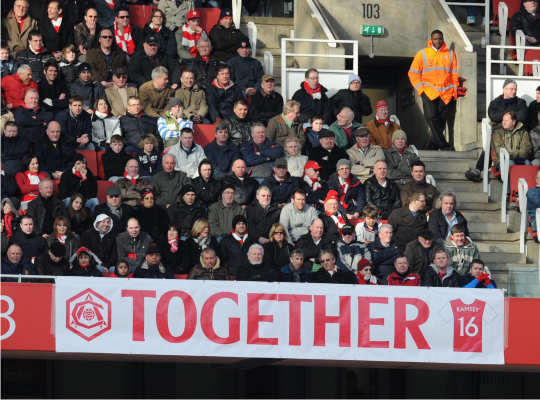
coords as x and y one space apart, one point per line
527 21
222 213
266 103
246 72
152 268
327 154
363 154
119 93
116 210
281 183
420 251
53 262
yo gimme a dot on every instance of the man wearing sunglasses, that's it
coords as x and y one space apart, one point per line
105 59
118 212
332 273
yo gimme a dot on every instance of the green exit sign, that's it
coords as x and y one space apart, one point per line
372 30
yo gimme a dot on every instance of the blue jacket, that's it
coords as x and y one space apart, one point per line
75 127
468 282
25 267
221 101
268 149
246 72
10 66
383 257
281 191
148 166
305 275
30 122
533 202
222 158
354 197
348 255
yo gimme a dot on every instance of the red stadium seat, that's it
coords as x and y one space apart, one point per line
101 168
513 7
91 160
530 55
55 191
180 276
102 188
209 18
204 134
107 274
527 172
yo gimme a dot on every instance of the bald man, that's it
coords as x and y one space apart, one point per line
245 187
54 151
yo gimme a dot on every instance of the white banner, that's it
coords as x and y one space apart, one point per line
279 320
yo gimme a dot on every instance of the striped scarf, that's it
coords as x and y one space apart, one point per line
190 39
125 41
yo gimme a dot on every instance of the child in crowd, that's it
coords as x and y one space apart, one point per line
148 156
115 159
312 132
367 231
9 64
121 271
69 64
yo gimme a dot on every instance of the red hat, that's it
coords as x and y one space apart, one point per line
312 164
332 195
363 263
193 14
380 104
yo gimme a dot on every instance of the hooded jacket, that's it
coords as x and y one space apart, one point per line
261 219
265 106
135 127
90 271
263 272
429 191
188 161
75 127
133 250
406 226
417 257
114 164
385 199
37 210
221 100
222 158
410 278
70 184
438 225
348 255
167 186
55 158
383 257
354 198
302 274
297 222
319 153
31 123
71 244
338 276
89 91
15 220
357 101
184 216
14 90
239 129
432 277
119 225
400 164
224 41
311 107
178 262
208 191
153 272
104 247
246 72
205 71
45 266
516 141
461 257
24 267
104 126
221 217
312 250
201 273
154 220
32 245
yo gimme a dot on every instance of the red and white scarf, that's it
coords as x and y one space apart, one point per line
56 24
174 245
77 173
155 29
37 51
33 179
216 84
131 178
62 239
240 239
338 219
315 93
125 41
110 3
314 184
344 188
190 38
385 122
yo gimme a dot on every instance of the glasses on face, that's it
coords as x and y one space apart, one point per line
325 260
149 198
23 7
278 233
106 37
123 17
367 269
114 196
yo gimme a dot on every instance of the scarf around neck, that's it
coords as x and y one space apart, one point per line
314 93
314 184
131 178
125 41
338 219
174 245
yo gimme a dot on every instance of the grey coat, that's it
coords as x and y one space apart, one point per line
168 185
221 217
399 164
297 222
127 245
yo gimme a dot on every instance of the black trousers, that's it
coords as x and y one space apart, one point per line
436 113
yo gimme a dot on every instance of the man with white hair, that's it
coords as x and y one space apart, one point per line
155 94
18 25
32 119
14 87
204 65
344 128
169 182
254 268
262 214
384 251
188 153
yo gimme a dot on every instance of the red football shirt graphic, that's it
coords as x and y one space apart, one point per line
468 323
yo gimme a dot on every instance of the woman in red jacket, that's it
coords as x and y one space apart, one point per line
28 181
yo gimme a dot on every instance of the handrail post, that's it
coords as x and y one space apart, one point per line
503 22
486 138
269 62
520 41
522 196
284 69
452 18
504 158
237 12
252 33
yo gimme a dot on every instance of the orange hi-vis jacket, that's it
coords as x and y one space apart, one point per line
435 73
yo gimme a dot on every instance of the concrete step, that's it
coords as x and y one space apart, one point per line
467 206
513 258
453 155
472 197
445 166
480 216
459 186
441 175
492 236
487 246
494 227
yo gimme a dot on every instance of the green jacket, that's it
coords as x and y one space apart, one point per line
517 142
461 257
399 164
194 101
341 136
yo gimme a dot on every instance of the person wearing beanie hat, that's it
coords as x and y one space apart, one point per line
246 71
437 84
508 101
85 263
224 36
420 251
235 246
365 273
327 154
101 239
222 213
152 267
86 87
399 159
80 180
332 218
186 210
53 262
349 189
382 126
171 123
363 155
154 220
344 127
312 97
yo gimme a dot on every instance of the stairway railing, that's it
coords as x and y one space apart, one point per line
317 14
522 196
486 139
504 166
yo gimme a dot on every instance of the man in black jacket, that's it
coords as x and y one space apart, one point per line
419 252
35 55
239 124
203 65
353 98
14 147
234 247
331 273
224 35
57 29
255 268
439 274
54 151
53 91
266 103
410 220
381 192
102 241
327 154
313 242
221 152
143 62
118 212
281 183
208 188
124 29
186 210
53 262
245 186
79 180
261 215
135 124
384 251
32 245
45 208
77 123
31 118
85 87
527 21
312 96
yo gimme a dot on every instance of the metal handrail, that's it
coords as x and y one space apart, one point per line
522 197
317 14
269 62
457 25
503 21
20 276
520 41
431 180
486 139
486 14
252 34
504 165
237 12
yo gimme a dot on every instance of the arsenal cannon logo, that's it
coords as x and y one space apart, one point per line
88 314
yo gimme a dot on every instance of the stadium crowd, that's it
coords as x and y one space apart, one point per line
289 190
